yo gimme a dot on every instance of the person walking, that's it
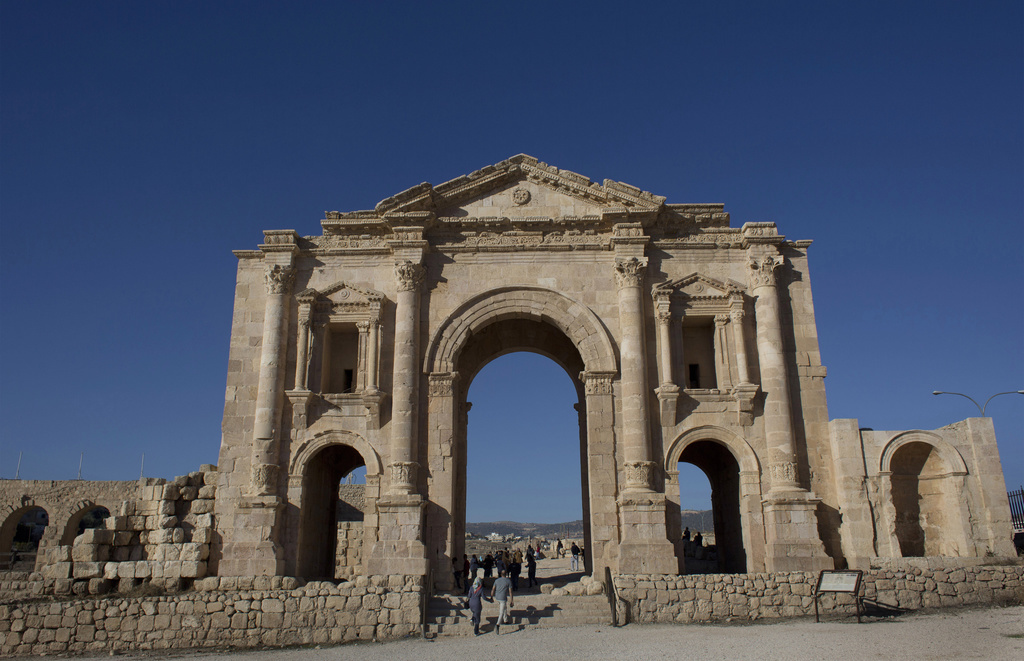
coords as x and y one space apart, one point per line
488 565
457 573
501 591
476 603
574 564
531 570
474 566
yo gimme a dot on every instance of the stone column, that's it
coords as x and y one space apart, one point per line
740 339
302 345
668 390
399 549
629 275
644 548
269 394
372 341
403 393
790 511
778 421
723 367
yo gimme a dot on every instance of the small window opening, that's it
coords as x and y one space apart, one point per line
694 375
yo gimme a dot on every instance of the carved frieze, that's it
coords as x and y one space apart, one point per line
783 472
403 473
640 474
263 479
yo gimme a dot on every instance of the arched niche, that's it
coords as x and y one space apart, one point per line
733 469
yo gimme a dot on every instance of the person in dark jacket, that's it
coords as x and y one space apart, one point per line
476 603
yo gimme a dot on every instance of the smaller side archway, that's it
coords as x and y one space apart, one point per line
331 534
734 472
85 514
926 479
21 529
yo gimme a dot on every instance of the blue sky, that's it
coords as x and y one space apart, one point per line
141 142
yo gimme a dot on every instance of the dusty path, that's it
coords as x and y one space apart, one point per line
966 634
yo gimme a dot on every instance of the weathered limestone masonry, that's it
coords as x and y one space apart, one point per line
219 613
710 597
687 340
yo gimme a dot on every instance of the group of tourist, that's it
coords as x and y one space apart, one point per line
508 566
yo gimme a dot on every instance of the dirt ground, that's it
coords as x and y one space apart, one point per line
987 633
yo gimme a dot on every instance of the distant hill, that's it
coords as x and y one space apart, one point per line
546 530
693 519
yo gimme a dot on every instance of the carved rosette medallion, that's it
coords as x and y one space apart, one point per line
630 272
597 383
442 384
279 279
520 196
403 474
410 276
762 272
263 479
640 474
783 472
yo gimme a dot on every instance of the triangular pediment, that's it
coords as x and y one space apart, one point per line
697 285
342 296
521 187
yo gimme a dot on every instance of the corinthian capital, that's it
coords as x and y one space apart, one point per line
630 272
279 279
762 271
409 276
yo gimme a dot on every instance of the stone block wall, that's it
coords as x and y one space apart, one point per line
716 597
236 612
349 556
162 538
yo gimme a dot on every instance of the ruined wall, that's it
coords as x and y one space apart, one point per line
245 613
717 597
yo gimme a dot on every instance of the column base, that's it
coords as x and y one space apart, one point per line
399 549
791 529
250 547
645 548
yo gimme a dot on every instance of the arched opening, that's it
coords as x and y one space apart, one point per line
19 537
726 554
330 529
525 464
919 498
525 452
90 516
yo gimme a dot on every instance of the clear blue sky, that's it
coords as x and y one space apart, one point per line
140 142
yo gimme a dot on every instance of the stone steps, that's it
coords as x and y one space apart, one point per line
447 617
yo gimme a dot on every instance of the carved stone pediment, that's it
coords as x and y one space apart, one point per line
522 187
698 286
344 299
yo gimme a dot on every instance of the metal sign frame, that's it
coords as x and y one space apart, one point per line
839 581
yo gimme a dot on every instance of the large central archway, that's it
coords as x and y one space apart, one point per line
504 321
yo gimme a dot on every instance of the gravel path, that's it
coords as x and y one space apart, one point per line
991 634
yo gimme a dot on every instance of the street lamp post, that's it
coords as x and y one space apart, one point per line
981 407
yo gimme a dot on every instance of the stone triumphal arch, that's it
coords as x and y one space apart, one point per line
687 340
